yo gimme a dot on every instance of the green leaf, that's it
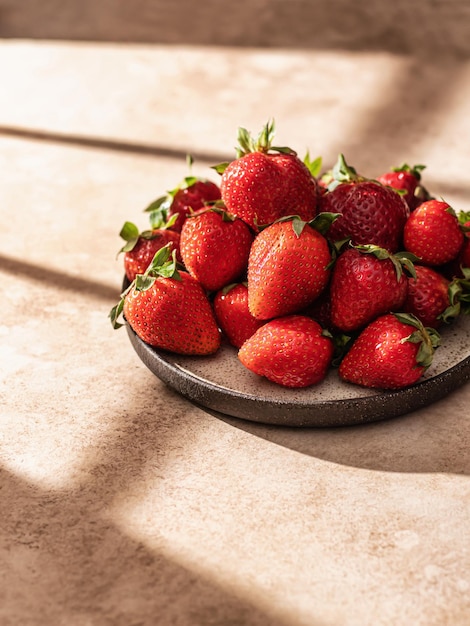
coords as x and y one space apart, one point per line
428 338
265 137
298 225
188 182
160 258
314 166
407 260
463 217
342 172
323 221
245 142
341 343
409 318
144 282
129 231
283 150
415 170
220 167
159 218
130 245
116 313
451 211
156 204
164 263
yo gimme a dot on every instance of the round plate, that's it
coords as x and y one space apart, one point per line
221 383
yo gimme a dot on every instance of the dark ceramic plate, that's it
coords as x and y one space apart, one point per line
221 383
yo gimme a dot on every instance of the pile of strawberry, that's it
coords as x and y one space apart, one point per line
299 270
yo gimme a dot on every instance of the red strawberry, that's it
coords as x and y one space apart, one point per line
288 268
428 296
214 247
464 254
141 247
191 194
407 179
366 281
169 309
320 310
291 351
433 233
265 183
232 314
392 352
370 213
192 197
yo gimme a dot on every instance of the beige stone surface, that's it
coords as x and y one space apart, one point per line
122 504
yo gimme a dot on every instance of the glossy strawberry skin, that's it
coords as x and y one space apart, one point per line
173 315
433 234
189 199
379 358
370 213
464 255
405 182
286 272
137 260
363 287
215 247
427 296
262 187
290 351
233 316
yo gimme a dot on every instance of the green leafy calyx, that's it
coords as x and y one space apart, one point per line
313 165
414 170
427 338
400 260
342 172
262 143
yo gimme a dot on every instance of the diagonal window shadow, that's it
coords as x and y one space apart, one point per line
108 144
69 562
92 289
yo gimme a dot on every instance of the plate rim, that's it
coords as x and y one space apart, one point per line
324 413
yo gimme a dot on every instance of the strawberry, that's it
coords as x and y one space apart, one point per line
141 247
292 351
265 183
197 194
392 352
169 309
428 296
464 254
232 314
214 246
320 310
406 180
370 213
191 194
288 268
366 282
433 233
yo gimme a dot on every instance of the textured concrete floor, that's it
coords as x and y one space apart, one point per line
122 503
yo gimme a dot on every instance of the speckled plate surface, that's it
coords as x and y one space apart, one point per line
221 383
